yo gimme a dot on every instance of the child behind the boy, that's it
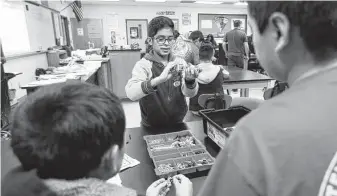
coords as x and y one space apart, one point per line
71 136
210 78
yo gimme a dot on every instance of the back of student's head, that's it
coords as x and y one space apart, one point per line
237 23
196 35
64 130
315 20
206 51
159 23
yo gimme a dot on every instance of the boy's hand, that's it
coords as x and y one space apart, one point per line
164 76
191 73
158 188
183 185
167 72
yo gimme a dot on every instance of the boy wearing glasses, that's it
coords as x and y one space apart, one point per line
157 79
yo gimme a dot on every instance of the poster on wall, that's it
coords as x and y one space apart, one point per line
176 24
112 21
219 24
134 33
186 19
80 32
113 36
94 31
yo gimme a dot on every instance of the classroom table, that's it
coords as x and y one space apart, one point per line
245 79
100 77
140 176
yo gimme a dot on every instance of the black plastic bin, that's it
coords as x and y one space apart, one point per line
218 124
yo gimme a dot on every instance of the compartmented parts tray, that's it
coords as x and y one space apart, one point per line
178 152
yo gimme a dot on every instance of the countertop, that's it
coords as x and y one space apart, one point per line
131 50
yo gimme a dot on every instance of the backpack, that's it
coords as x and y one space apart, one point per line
276 90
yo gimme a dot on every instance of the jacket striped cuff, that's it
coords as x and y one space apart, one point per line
190 84
147 88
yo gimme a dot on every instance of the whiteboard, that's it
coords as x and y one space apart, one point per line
13 31
40 27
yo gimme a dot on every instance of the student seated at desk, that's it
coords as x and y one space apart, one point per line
210 78
70 138
157 81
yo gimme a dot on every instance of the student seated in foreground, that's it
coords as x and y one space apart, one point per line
211 77
157 81
71 136
288 146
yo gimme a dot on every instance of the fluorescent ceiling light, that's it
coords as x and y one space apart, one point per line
209 2
159 1
241 3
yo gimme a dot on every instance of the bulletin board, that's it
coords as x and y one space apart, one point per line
219 24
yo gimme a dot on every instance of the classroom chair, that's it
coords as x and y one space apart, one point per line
247 102
216 101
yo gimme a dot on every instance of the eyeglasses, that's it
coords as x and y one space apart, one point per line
162 40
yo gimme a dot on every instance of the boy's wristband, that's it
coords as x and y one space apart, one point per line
147 87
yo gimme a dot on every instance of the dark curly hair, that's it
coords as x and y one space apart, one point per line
206 51
316 20
196 35
159 23
64 130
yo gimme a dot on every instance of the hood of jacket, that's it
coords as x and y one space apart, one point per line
19 182
151 57
208 73
87 187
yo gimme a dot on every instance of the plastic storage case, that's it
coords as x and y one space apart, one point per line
172 155
218 124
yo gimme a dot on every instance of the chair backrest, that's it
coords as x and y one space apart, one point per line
215 101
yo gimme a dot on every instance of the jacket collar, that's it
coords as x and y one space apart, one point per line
151 57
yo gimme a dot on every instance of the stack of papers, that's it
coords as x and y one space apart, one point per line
115 180
128 162
46 82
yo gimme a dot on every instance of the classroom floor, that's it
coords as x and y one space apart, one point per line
133 116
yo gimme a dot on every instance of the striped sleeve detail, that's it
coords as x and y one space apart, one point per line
147 88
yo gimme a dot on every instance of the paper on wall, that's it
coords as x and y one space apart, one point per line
206 24
112 21
186 19
80 32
